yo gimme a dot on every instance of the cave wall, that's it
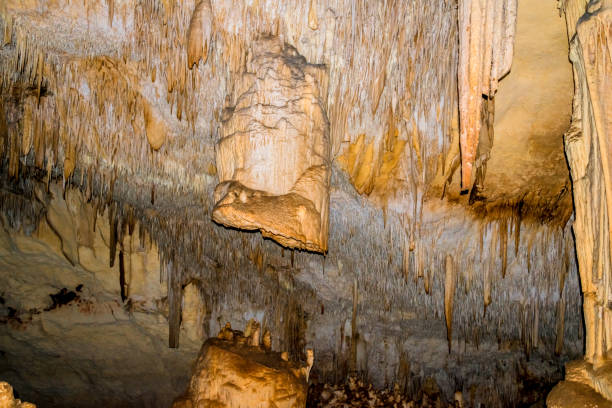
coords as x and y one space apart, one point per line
306 300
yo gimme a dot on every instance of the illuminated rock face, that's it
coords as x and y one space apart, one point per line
486 47
588 144
588 147
273 154
233 371
7 400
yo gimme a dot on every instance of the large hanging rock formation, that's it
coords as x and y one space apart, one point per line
273 155
486 46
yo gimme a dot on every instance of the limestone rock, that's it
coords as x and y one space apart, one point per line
155 128
232 372
273 156
486 46
7 400
588 146
569 394
199 34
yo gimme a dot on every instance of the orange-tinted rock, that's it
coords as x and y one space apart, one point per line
233 371
273 156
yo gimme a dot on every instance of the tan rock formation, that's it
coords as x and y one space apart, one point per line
273 156
588 145
7 400
569 394
232 371
526 158
199 34
486 46
583 387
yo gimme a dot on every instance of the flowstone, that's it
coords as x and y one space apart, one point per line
273 154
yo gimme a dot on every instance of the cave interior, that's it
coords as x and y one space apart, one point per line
305 203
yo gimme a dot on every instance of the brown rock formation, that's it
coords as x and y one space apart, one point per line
273 156
199 34
233 371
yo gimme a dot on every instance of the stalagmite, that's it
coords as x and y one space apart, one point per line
486 46
233 372
199 36
7 399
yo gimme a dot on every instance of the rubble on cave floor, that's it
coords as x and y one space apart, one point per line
357 393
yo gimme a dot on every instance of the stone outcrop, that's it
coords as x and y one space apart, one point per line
273 156
7 399
233 371
583 387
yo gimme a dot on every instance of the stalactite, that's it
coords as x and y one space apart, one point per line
200 33
450 283
175 298
380 270
354 333
122 285
503 245
313 22
112 218
486 46
560 326
488 270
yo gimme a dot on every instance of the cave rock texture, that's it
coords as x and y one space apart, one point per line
167 167
7 399
486 48
588 144
273 156
233 371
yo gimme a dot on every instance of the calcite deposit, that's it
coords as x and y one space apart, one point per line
486 47
167 167
587 145
7 399
234 370
273 157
